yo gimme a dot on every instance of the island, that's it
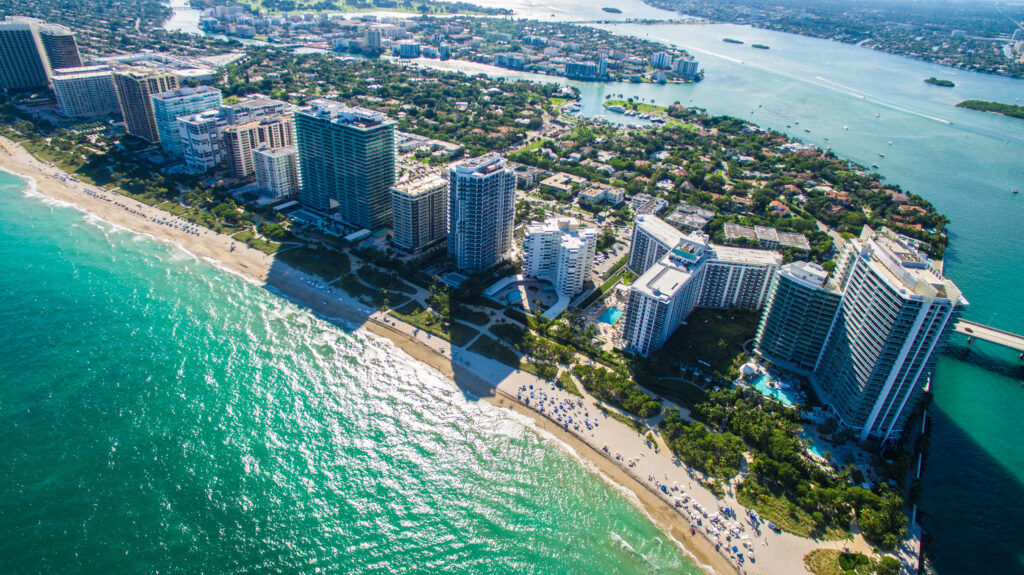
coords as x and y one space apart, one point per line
612 10
937 82
1012 110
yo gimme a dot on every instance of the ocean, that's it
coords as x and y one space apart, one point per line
160 415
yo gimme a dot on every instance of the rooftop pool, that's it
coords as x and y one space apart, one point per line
610 315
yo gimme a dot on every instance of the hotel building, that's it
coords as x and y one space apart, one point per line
798 315
481 212
203 135
869 336
30 49
652 239
239 141
894 318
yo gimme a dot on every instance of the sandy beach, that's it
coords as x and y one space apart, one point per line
595 438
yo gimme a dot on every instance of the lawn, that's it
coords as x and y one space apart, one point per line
788 516
264 245
712 336
831 562
190 213
566 382
646 108
388 281
488 347
508 333
354 287
469 315
681 392
414 314
462 334
324 263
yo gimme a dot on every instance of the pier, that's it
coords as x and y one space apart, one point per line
990 334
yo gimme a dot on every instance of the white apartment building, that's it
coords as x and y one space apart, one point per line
662 298
678 277
202 135
84 92
277 170
169 106
560 251
893 320
481 212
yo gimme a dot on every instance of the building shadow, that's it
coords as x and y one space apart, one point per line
476 375
971 507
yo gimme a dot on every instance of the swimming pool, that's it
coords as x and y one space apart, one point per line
812 445
514 297
610 315
788 397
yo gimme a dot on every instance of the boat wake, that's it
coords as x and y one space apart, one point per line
842 89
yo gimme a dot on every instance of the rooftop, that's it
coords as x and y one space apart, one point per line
660 229
338 113
897 259
277 152
808 273
663 279
81 72
185 92
420 185
747 255
483 165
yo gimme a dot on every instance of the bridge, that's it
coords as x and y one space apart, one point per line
990 334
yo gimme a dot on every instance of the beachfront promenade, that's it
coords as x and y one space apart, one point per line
990 334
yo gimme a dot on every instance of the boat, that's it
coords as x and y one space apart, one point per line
881 155
846 127
732 40
760 46
1013 191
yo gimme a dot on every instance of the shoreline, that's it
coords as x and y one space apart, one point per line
486 379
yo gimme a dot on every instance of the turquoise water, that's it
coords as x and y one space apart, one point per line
787 397
812 445
610 315
159 415
514 296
